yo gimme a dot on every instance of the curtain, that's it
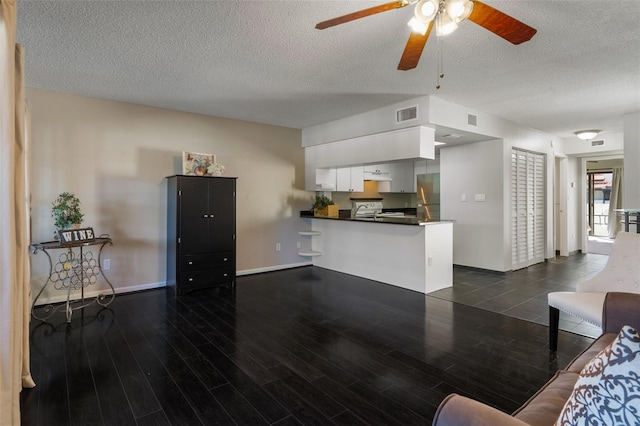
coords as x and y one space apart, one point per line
615 202
14 212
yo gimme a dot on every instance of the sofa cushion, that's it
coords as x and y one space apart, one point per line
544 407
590 353
608 389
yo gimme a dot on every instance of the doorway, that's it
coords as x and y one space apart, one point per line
598 198
599 180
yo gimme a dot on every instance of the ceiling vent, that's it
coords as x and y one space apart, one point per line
472 120
598 143
406 114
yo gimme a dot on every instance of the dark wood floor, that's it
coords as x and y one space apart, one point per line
301 346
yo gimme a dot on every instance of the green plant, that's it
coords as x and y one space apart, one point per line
321 202
66 211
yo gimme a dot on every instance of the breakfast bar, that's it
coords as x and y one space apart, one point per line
404 252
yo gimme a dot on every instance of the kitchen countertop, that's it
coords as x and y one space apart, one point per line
407 220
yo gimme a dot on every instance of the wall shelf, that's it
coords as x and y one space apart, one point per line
311 233
309 252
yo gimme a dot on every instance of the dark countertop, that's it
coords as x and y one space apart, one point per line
411 220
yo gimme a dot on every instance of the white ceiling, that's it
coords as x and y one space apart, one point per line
263 61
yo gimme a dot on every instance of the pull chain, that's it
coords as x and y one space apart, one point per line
440 62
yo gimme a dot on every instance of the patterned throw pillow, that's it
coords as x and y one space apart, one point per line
607 392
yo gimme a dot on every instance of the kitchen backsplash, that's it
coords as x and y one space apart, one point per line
389 199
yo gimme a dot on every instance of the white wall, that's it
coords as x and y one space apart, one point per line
114 157
368 123
513 135
574 210
478 231
631 195
613 142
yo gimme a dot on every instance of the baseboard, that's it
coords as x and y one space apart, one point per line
272 268
473 268
131 289
93 293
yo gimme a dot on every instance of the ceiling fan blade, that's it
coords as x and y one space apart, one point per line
500 23
413 49
362 14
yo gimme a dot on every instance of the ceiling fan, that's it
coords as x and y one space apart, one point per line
446 15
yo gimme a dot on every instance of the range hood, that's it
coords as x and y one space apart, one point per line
377 176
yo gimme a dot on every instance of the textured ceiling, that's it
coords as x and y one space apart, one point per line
263 61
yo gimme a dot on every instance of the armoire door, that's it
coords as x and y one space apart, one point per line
222 223
194 215
527 208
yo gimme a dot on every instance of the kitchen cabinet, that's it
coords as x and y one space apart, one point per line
325 179
350 179
377 168
402 177
201 232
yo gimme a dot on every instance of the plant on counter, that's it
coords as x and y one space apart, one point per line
321 202
66 211
324 206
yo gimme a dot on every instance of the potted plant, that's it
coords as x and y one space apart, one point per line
66 211
324 206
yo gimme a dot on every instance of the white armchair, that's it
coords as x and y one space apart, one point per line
620 274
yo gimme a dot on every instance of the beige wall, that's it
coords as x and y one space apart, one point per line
114 156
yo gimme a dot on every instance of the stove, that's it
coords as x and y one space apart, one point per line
366 209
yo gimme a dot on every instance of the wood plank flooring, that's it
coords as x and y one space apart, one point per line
300 346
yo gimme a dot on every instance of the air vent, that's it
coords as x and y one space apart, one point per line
598 143
472 120
406 114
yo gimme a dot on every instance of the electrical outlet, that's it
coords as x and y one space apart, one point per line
106 264
278 247
299 244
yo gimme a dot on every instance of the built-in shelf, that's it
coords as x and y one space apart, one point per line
309 253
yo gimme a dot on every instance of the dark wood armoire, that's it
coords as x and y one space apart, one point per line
201 233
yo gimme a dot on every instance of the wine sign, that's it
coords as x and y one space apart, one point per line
75 235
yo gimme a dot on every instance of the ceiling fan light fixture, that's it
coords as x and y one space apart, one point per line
426 10
458 10
417 26
445 25
585 135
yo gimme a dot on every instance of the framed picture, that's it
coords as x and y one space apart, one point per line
196 163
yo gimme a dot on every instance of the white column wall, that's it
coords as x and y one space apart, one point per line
631 183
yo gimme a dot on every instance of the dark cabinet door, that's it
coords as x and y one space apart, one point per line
194 215
222 220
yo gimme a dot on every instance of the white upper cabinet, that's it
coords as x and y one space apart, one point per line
325 180
350 179
377 168
402 177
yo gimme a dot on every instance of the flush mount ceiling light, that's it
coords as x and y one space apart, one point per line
585 135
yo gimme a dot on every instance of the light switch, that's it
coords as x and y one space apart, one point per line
464 197
481 197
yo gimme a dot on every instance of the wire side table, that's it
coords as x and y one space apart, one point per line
74 269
